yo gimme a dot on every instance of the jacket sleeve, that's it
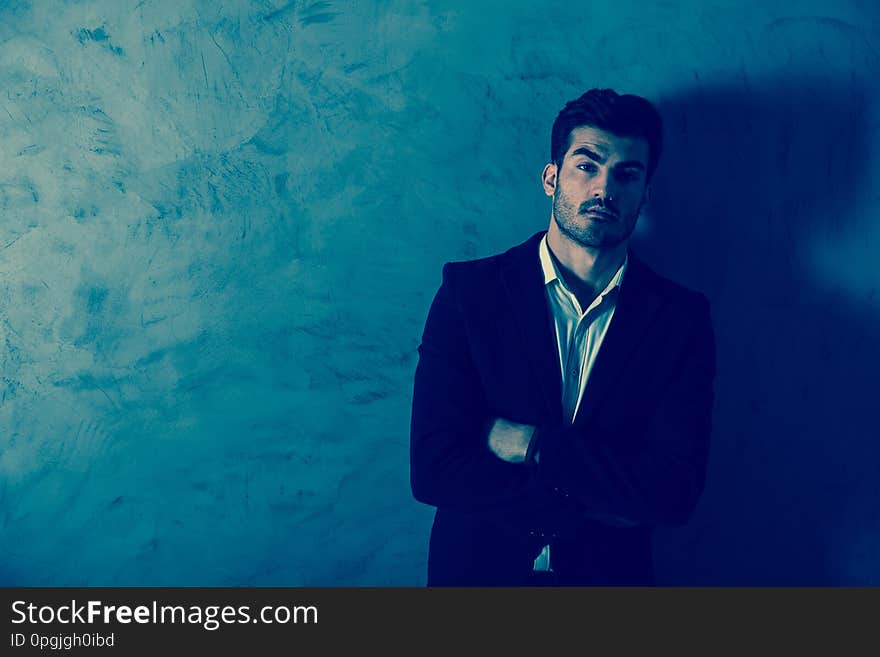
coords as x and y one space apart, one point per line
656 476
450 462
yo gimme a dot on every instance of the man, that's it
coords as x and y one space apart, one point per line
563 396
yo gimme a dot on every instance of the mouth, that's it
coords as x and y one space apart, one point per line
601 215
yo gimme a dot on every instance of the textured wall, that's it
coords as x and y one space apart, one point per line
222 225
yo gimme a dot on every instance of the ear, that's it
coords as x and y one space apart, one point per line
548 178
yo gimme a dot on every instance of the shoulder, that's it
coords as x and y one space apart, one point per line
681 314
488 268
670 291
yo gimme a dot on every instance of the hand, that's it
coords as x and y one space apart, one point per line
509 441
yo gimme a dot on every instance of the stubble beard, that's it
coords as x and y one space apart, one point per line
587 232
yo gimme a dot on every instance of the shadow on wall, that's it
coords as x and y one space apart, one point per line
755 178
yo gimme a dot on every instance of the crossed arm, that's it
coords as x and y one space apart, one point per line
462 458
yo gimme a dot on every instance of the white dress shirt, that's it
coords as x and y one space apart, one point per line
579 335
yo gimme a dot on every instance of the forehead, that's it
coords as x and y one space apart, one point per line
610 146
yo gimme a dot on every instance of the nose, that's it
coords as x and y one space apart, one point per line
602 189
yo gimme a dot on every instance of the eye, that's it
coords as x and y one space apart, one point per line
629 175
586 166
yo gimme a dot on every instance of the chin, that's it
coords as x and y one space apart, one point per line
593 235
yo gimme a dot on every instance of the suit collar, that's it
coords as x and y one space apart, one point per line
637 305
523 281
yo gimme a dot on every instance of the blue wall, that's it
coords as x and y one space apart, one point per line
222 225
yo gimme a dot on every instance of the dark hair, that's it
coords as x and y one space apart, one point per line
605 109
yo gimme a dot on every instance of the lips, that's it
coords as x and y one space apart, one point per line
601 215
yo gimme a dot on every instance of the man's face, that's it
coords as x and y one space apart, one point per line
600 188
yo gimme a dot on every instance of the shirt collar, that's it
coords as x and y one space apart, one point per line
551 273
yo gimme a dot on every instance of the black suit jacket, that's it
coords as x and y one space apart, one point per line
634 458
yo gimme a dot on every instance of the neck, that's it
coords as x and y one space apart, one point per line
590 267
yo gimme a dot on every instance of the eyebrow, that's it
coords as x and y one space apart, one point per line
583 150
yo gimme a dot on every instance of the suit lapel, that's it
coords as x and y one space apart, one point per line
636 308
523 282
